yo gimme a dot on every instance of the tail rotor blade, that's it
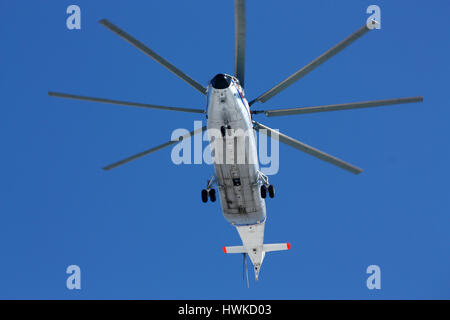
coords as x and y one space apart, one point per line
139 45
245 271
243 267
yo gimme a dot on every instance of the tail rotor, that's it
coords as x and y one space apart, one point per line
245 270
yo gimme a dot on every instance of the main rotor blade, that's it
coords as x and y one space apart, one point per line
239 68
124 103
311 66
336 107
308 149
154 149
152 54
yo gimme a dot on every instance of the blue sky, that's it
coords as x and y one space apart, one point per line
142 232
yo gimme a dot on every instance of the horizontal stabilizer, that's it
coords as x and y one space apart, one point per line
276 247
234 249
266 248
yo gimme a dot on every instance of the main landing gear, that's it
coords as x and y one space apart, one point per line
265 189
265 186
209 192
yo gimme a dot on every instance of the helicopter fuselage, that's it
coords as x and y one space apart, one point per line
235 155
236 165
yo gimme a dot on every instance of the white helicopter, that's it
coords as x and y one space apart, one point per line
242 186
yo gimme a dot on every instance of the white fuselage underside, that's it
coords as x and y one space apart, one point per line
237 180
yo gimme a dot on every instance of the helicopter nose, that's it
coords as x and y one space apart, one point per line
220 81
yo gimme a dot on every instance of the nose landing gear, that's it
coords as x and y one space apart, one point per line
223 130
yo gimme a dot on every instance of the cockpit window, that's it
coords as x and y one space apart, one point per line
220 81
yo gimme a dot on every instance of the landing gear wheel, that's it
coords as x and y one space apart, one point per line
204 196
223 131
271 191
263 191
212 195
